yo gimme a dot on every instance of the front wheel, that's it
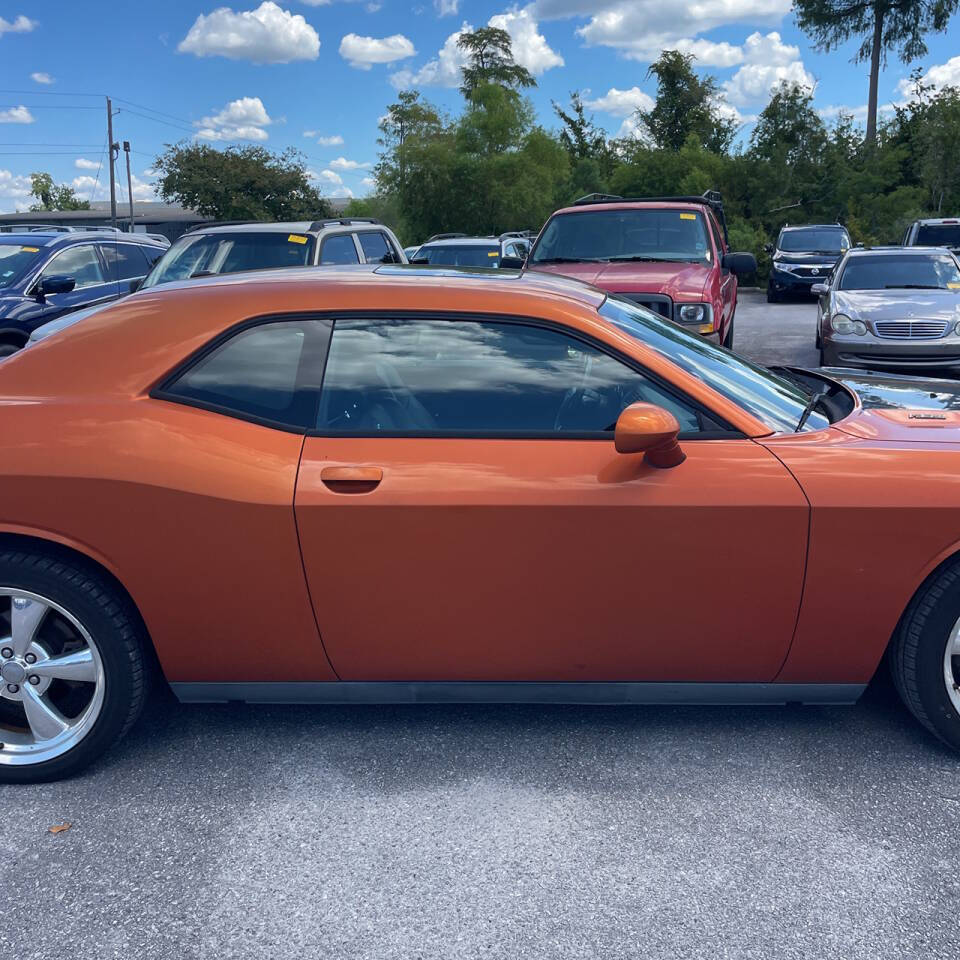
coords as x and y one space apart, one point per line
925 656
772 296
71 666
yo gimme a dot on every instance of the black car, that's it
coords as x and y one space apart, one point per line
44 275
804 255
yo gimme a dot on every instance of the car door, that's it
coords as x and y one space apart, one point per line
463 516
376 247
728 280
126 263
82 262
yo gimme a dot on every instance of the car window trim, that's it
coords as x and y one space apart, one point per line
73 246
727 432
330 236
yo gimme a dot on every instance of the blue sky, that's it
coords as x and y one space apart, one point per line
317 74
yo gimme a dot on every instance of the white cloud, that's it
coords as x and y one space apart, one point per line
530 48
332 141
242 119
16 115
372 7
363 52
329 176
92 188
442 71
446 8
767 62
342 163
710 54
942 75
369 182
43 78
82 163
20 24
14 187
265 35
622 103
333 181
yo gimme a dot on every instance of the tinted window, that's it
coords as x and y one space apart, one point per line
204 254
896 272
339 249
124 261
465 255
15 260
460 377
639 234
938 235
375 246
80 262
772 399
255 373
813 241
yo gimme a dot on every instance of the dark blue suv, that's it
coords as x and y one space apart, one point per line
45 275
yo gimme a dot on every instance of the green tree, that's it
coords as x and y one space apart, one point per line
686 104
409 116
239 183
490 54
52 196
884 25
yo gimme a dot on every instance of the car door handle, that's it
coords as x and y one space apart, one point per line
351 479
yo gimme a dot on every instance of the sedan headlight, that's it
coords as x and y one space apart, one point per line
956 329
843 325
698 313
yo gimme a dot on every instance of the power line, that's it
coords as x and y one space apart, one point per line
140 106
18 144
166 123
51 93
44 106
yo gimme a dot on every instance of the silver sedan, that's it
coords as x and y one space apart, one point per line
892 308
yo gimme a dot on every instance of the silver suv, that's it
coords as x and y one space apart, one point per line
232 247
939 232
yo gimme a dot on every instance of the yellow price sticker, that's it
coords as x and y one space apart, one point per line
30 249
950 286
493 254
688 216
294 238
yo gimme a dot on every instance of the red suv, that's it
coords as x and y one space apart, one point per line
669 254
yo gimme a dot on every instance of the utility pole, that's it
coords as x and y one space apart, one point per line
126 150
113 183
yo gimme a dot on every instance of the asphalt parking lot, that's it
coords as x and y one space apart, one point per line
500 831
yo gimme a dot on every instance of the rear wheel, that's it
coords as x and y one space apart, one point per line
8 349
71 666
772 295
925 656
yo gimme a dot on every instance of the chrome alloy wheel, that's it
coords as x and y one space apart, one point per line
51 679
951 666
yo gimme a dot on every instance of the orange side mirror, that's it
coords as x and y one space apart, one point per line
651 430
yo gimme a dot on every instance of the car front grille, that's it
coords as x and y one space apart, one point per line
911 329
657 302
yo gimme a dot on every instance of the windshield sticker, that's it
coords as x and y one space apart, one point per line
294 238
953 286
493 253
688 216
30 249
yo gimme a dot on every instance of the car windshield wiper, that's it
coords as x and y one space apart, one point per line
911 286
812 404
571 260
201 273
649 260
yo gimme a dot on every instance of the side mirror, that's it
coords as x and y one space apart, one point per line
819 288
425 260
55 284
136 284
651 430
389 257
512 263
740 263
768 248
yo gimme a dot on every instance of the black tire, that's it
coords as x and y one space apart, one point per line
9 349
917 654
772 297
111 620
728 339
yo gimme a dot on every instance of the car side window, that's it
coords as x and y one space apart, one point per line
80 262
717 238
466 377
375 246
339 248
259 373
124 261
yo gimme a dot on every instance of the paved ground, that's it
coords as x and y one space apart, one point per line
504 832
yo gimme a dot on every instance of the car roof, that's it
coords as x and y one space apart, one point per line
290 226
467 242
45 238
938 221
634 205
894 250
813 226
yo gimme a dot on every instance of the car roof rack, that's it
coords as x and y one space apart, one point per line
444 236
341 222
711 198
517 234
219 223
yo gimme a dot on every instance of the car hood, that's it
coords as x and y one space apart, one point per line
679 281
900 408
873 305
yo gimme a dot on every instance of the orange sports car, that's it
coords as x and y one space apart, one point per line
408 484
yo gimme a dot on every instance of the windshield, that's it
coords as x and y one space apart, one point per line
466 255
933 271
779 403
208 253
15 260
938 235
813 241
643 234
